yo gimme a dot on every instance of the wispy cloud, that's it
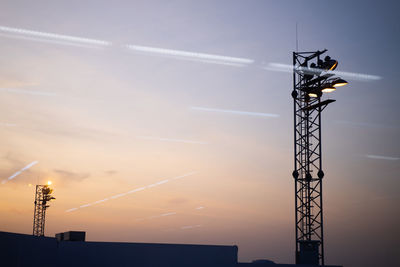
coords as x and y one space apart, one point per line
30 165
347 75
365 124
236 112
381 157
72 175
132 191
111 172
6 124
172 140
26 92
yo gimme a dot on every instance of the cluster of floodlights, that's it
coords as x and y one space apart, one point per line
318 77
47 197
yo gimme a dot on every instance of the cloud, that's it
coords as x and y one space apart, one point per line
110 172
7 124
178 201
366 124
26 92
72 175
14 82
172 140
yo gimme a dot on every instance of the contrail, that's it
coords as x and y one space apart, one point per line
157 216
164 214
131 191
381 157
190 226
180 54
238 112
20 171
172 140
207 58
54 36
27 92
343 74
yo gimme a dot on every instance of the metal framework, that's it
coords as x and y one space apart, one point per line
308 172
42 197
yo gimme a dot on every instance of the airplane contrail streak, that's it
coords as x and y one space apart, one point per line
131 191
157 216
48 35
349 75
30 165
207 58
381 157
172 140
164 214
180 54
190 226
238 112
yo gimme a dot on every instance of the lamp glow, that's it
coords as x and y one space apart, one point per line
334 65
49 182
329 89
339 82
312 95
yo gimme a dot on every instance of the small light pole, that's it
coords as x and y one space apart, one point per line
42 197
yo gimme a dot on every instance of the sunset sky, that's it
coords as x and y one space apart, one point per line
166 121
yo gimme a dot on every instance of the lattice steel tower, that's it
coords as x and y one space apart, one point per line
312 77
42 197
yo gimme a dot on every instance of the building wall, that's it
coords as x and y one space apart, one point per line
26 250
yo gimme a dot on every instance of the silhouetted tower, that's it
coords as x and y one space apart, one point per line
42 197
312 77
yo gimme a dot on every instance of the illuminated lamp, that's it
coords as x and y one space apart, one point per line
339 82
330 64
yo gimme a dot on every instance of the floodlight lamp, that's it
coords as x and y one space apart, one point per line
312 95
315 92
334 65
49 182
330 64
328 89
339 82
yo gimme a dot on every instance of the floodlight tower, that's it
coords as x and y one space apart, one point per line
42 197
312 77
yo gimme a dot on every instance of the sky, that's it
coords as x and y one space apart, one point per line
165 121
